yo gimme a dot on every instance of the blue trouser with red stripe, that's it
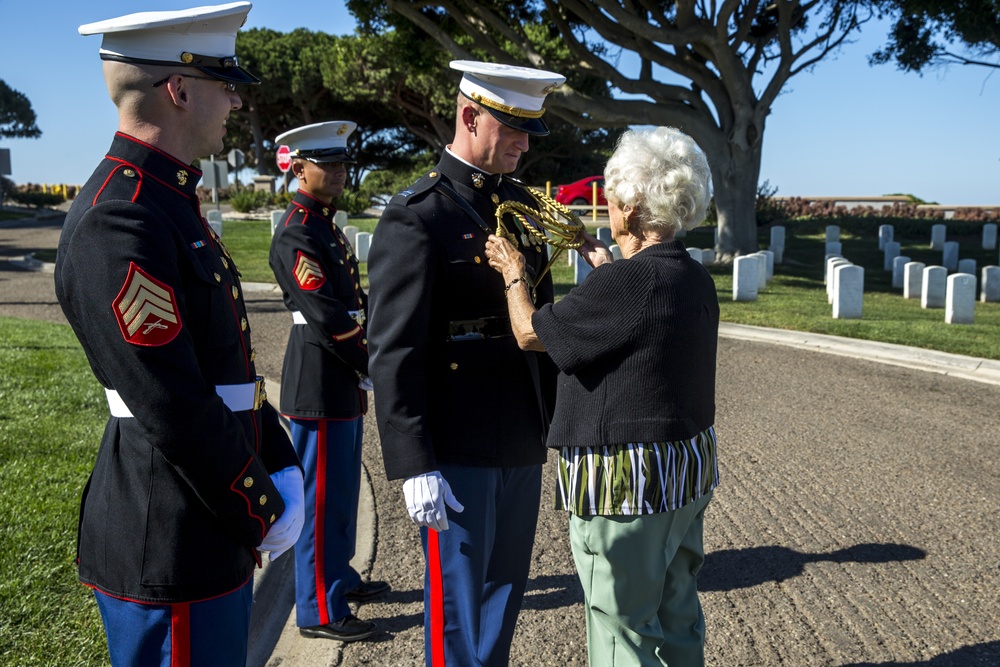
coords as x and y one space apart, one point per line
331 458
208 633
477 570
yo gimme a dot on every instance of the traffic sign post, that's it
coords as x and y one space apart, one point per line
235 160
284 158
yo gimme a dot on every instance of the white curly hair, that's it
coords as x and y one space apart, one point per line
662 174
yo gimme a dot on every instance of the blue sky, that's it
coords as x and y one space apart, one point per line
844 129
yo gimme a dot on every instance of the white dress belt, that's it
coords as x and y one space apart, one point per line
237 397
356 315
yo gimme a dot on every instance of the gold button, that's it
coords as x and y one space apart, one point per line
236 292
433 174
263 500
273 518
187 58
243 324
248 482
478 260
129 172
496 198
218 278
253 354
454 366
364 341
225 263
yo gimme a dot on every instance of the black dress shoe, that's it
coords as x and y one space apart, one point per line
368 590
348 629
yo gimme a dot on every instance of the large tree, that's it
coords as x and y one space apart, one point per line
711 68
929 33
17 118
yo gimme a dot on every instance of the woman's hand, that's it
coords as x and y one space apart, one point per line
594 252
504 257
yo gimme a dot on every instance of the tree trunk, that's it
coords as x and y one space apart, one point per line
734 176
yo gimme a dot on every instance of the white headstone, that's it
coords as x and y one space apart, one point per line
616 252
363 245
275 220
933 287
898 265
990 289
967 265
949 255
830 262
761 271
580 268
214 217
350 231
604 235
708 256
989 236
778 236
885 233
834 248
937 236
960 302
779 253
745 278
696 254
913 276
769 261
849 291
832 233
890 252
831 267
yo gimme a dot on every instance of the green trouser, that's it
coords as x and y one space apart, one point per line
640 578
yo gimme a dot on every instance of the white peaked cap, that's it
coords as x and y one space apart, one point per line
200 37
320 142
514 95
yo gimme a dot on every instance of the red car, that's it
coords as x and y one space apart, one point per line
581 193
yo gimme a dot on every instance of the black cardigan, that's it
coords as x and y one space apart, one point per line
635 344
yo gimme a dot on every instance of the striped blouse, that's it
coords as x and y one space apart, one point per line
637 478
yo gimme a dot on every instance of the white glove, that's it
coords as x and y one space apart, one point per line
365 383
285 531
426 496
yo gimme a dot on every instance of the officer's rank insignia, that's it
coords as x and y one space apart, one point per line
478 180
182 177
146 310
308 272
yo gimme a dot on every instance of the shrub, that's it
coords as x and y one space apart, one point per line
352 202
245 201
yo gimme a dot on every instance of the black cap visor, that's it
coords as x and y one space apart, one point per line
325 155
231 74
533 126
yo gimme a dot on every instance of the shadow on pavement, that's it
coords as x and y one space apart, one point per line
731 569
978 655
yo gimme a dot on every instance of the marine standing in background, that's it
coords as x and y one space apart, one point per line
325 362
194 476
462 412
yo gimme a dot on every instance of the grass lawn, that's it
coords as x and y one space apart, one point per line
52 413
795 299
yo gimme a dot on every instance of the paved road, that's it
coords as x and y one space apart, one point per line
857 523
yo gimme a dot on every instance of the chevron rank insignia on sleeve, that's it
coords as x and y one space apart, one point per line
146 310
308 272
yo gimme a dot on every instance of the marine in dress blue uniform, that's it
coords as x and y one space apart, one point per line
326 361
462 411
194 476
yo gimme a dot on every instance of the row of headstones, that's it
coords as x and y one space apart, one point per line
932 285
845 287
938 236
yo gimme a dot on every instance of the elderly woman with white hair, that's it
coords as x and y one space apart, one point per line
635 344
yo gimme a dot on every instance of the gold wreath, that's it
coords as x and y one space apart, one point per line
557 226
